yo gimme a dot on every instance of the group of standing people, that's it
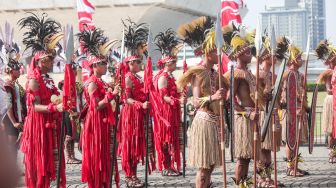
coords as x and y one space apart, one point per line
32 120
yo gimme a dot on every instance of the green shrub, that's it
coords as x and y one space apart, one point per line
311 87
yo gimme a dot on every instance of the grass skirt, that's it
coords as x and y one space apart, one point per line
327 115
268 142
243 138
204 143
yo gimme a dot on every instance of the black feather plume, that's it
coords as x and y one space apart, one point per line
166 42
135 35
38 29
194 33
322 50
282 47
91 40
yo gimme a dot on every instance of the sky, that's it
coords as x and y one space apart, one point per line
256 6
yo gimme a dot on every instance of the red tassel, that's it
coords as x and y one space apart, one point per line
69 88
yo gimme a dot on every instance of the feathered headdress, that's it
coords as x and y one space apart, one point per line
286 49
9 50
325 50
95 45
294 53
283 44
238 39
266 46
168 45
135 39
43 35
195 32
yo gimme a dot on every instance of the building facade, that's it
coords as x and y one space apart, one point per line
295 19
317 20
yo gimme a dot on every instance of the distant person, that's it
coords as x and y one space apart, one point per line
14 119
326 52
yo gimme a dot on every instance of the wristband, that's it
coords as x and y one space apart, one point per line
173 101
109 96
137 104
52 107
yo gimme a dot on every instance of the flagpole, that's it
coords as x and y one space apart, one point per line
303 110
255 125
273 46
115 130
147 90
221 103
219 43
67 104
184 112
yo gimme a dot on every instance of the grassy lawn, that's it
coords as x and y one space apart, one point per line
320 99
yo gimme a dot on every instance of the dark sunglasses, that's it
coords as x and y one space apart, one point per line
102 63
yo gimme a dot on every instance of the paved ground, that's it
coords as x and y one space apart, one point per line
323 174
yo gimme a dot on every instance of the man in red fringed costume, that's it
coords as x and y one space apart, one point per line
167 107
96 135
42 125
133 140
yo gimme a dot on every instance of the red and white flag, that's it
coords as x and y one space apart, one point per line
85 11
230 13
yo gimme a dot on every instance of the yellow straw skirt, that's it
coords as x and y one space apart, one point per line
268 142
304 130
243 138
203 141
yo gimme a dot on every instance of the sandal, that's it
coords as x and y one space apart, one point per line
304 172
73 161
169 172
332 159
261 182
129 182
271 181
134 182
138 182
290 172
332 156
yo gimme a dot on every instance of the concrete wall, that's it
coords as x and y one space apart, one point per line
208 7
50 4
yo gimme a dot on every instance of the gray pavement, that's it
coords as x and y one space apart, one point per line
322 173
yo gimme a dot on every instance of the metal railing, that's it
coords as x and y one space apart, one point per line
319 135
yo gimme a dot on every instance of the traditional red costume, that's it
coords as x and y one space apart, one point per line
168 115
42 130
96 135
168 134
133 140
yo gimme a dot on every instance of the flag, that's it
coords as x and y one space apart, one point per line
85 11
229 13
185 66
69 88
148 75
